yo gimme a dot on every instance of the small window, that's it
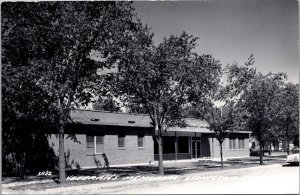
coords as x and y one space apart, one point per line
141 140
90 144
121 141
241 144
99 144
232 144
94 144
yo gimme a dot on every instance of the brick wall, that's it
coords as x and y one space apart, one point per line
215 148
131 154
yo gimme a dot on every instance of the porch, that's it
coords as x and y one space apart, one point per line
185 145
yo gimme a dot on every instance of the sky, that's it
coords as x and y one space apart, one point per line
233 29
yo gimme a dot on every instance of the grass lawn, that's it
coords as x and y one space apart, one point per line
178 168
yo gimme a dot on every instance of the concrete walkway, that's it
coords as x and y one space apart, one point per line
260 179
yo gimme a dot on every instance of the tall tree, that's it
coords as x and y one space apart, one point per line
56 40
255 93
26 109
220 121
286 109
163 79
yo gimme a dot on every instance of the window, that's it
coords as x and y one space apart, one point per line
94 144
141 140
99 144
232 144
90 145
241 144
121 141
183 144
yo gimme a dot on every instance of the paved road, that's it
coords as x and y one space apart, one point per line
267 179
259 180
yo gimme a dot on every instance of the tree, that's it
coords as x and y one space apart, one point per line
27 111
56 40
220 122
196 111
163 79
287 111
255 93
106 105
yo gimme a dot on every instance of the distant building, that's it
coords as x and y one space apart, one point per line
108 138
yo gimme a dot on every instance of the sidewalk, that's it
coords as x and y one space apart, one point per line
139 184
180 167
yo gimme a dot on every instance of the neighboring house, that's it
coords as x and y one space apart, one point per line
108 138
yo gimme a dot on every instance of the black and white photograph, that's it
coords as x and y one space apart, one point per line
150 97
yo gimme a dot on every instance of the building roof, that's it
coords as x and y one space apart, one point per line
96 117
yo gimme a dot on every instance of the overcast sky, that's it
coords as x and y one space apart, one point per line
233 29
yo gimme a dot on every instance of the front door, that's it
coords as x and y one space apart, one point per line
196 149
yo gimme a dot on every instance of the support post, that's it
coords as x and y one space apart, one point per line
212 147
176 145
195 145
201 146
191 147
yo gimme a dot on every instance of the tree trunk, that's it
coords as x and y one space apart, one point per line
270 149
62 165
61 150
160 155
22 165
221 153
261 152
158 135
287 137
288 146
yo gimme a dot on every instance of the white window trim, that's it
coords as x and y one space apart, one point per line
243 148
95 145
232 145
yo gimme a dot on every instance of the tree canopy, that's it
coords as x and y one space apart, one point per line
52 43
165 78
254 94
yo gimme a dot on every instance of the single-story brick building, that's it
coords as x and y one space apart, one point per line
106 138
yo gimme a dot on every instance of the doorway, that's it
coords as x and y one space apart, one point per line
196 148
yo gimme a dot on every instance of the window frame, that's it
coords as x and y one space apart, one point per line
122 147
242 141
232 142
95 145
143 138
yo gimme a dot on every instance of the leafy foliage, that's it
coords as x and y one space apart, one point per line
220 120
106 105
255 94
51 45
164 79
286 112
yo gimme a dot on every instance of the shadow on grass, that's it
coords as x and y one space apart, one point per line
125 171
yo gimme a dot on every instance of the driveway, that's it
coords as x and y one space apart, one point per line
266 179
